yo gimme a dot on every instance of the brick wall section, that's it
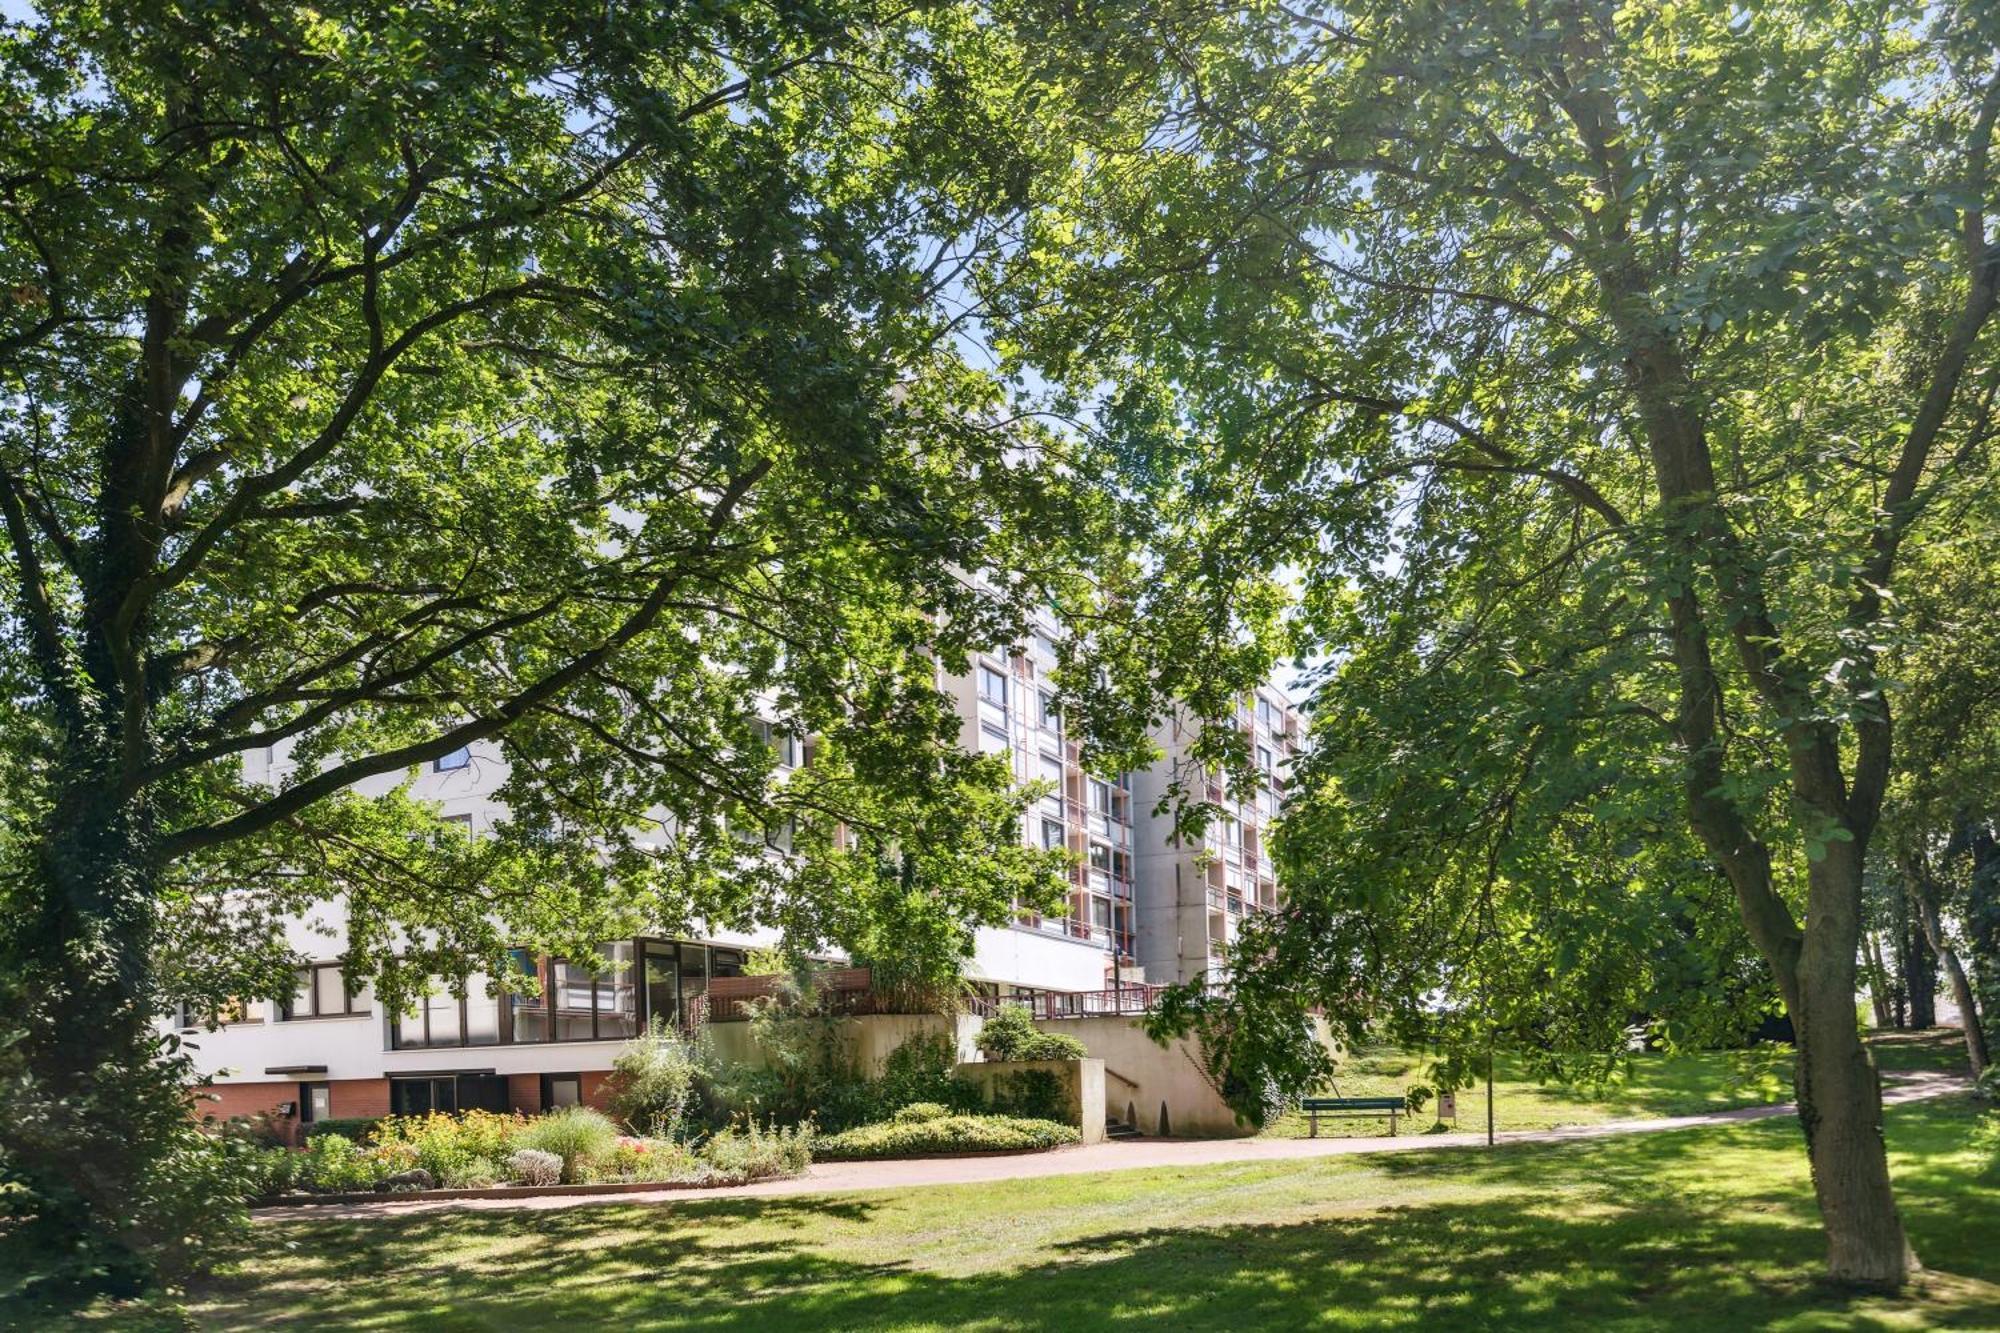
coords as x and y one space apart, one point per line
359 1097
524 1093
596 1089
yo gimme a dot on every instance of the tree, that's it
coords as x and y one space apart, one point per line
1596 371
572 382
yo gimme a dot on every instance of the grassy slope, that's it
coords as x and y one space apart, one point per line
1648 1085
1698 1229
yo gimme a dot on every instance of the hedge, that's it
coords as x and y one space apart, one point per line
944 1134
355 1129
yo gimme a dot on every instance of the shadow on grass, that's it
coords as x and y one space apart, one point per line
1621 1242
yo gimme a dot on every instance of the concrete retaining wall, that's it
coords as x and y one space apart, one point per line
1082 1085
1158 1089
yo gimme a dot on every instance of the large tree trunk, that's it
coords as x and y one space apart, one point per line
98 1104
1839 1092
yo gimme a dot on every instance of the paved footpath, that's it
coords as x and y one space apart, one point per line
1116 1155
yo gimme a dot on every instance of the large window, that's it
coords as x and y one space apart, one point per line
323 993
442 1019
992 686
453 761
421 1094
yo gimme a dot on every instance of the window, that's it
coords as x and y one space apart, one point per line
452 762
440 1018
992 740
421 1096
1100 856
315 1102
782 744
561 1090
992 686
323 993
226 1014
1264 758
1051 713
1052 835
592 1005
460 821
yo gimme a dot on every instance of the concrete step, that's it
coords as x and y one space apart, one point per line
1118 1129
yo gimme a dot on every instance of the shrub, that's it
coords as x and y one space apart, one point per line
577 1135
1011 1034
954 1133
653 1159
476 1173
1032 1094
738 1155
441 1143
357 1129
923 1069
531 1166
332 1164
654 1078
264 1172
916 1113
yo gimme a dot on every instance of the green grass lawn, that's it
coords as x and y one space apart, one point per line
1710 1228
1649 1085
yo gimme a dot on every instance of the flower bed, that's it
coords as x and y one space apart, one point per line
476 1153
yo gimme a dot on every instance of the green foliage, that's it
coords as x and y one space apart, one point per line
747 1152
916 1113
1011 1034
654 1081
922 1070
1031 1094
581 1137
947 1134
360 1129
444 1144
473 1173
356 451
332 1164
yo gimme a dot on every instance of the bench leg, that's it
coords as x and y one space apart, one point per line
1392 1124
1314 1116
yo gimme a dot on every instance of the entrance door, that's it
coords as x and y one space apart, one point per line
663 985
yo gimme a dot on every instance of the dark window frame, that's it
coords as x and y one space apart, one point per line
306 1116
349 994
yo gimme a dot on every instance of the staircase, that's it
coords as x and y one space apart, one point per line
1118 1129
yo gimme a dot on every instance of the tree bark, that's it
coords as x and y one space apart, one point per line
99 1103
1878 982
1839 1091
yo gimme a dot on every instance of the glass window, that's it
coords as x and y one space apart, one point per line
455 760
992 686
421 1096
618 994
332 997
322 992
482 1012
561 1090
1051 718
574 1000
1052 834
315 1102
531 1012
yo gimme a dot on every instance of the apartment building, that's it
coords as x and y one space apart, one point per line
332 1051
1195 893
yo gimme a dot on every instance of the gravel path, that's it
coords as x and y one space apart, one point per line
1117 1155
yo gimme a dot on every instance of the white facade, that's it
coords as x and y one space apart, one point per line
1122 894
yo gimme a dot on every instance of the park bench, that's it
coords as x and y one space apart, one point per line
1316 1107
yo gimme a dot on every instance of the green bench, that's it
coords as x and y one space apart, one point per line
1316 1107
